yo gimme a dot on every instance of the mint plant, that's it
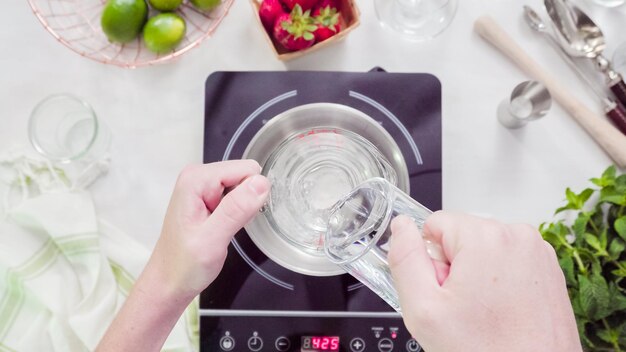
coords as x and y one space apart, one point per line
590 248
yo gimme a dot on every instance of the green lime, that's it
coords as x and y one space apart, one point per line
163 32
206 4
122 20
165 5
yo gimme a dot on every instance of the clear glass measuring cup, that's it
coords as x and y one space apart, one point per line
358 235
309 172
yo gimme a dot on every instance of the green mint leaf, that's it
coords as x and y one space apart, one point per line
603 238
619 272
603 295
552 236
609 173
576 201
587 298
567 265
584 196
308 36
587 255
596 267
620 226
593 241
620 184
571 197
597 218
618 300
616 248
594 296
563 208
597 181
607 178
580 224
610 194
576 307
605 335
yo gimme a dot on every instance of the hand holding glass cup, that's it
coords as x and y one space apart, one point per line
359 234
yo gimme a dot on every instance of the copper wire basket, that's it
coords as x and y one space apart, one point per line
76 24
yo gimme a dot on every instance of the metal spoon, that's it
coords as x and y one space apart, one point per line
581 37
613 110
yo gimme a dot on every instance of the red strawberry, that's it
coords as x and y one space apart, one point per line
305 4
294 31
328 21
269 12
324 3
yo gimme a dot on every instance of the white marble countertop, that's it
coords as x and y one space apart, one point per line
156 113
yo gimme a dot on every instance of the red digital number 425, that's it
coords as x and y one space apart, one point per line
325 343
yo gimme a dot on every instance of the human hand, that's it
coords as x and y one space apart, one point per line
190 253
199 223
504 291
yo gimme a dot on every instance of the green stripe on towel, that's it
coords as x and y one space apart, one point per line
13 298
78 245
5 348
11 302
39 262
125 281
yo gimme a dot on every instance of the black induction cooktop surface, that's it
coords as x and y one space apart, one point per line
255 304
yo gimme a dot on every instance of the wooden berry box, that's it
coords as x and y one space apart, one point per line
349 12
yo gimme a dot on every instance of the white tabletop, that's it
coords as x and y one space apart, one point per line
156 113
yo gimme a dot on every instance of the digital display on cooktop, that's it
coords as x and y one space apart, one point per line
319 343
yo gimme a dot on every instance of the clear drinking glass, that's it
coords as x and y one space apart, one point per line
416 19
65 128
309 173
358 235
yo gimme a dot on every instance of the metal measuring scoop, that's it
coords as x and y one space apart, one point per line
581 37
613 110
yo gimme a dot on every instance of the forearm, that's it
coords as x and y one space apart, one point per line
147 317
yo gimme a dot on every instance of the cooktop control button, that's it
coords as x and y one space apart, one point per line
227 343
385 345
357 345
413 346
282 343
255 343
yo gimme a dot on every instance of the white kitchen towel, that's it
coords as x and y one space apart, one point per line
63 272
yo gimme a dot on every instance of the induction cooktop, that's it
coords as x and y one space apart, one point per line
257 305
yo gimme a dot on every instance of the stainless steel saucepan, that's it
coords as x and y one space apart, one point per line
281 247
